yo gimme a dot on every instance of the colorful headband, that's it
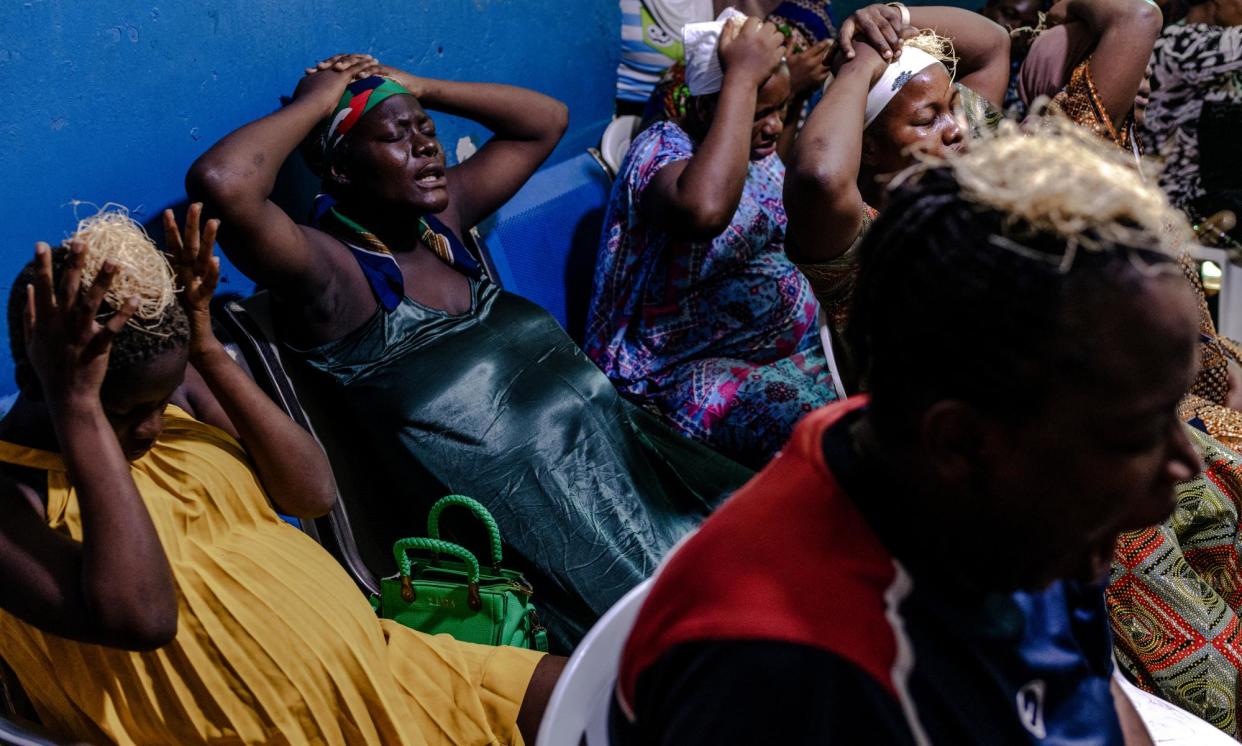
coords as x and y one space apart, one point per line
359 97
911 62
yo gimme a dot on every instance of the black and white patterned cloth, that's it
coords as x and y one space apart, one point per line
1191 64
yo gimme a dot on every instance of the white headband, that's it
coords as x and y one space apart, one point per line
911 62
701 42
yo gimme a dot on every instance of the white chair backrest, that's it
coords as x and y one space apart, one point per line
616 140
579 706
1231 300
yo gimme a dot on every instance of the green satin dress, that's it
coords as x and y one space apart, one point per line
498 403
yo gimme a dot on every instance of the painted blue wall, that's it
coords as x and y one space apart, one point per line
111 100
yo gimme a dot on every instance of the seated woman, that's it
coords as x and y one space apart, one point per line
696 310
444 382
152 594
928 557
872 116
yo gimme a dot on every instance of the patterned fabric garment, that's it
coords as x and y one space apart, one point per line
647 49
1175 596
720 336
1191 64
834 280
811 18
1081 102
1210 390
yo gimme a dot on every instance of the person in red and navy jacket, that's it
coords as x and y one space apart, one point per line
925 564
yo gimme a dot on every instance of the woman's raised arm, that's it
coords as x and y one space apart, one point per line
822 199
1125 32
114 587
236 176
289 463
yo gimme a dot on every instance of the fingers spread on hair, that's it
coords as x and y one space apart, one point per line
71 282
205 256
45 295
172 236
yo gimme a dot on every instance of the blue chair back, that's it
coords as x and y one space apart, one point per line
542 243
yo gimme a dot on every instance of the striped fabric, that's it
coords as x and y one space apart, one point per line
646 52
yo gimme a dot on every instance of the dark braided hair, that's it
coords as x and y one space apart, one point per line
945 309
130 349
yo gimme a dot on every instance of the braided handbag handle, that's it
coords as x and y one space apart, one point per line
401 547
480 512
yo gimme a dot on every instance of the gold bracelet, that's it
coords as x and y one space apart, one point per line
905 13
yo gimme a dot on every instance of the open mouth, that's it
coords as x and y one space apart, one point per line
430 177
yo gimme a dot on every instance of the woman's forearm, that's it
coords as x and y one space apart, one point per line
713 179
126 583
821 185
240 171
508 111
289 463
1099 15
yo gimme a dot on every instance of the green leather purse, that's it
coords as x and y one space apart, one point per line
442 589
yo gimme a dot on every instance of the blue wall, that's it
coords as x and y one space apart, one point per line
111 100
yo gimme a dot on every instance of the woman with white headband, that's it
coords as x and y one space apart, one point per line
872 115
697 310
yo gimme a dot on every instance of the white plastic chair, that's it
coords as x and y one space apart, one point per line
579 706
616 141
1168 724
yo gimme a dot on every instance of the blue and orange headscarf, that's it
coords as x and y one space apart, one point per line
359 97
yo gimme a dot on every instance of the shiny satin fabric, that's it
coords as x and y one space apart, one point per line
499 404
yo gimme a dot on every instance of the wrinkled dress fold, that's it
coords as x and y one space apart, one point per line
498 403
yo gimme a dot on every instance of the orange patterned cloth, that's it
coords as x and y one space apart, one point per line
1080 101
833 281
1175 594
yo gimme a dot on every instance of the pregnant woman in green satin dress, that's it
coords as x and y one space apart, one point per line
441 381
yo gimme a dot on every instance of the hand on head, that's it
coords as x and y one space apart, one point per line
198 271
866 57
66 345
325 82
752 50
878 25
808 68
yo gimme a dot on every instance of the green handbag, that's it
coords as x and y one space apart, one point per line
435 594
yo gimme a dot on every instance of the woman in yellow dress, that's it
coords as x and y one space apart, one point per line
152 593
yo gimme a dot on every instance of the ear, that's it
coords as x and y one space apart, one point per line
952 434
338 173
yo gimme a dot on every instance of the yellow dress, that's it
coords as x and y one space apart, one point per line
274 642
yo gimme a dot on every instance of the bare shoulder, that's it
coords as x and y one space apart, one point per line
339 298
